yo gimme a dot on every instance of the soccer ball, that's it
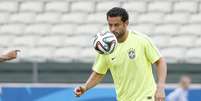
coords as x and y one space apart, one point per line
105 42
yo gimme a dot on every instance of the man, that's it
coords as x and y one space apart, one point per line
130 63
181 93
9 55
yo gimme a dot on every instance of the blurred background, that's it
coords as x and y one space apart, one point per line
55 39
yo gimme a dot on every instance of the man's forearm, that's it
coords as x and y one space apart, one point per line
161 68
93 80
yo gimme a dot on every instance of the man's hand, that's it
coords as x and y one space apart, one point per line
78 91
160 94
93 80
9 55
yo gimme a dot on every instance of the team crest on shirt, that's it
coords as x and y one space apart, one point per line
131 53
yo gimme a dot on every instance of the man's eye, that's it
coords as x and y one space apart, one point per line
116 25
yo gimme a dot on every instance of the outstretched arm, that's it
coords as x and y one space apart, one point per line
161 68
9 55
93 80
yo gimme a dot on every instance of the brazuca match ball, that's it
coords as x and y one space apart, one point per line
105 42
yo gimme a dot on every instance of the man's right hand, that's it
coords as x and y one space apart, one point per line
93 80
78 91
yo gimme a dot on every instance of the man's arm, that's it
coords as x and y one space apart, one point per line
93 80
161 68
9 55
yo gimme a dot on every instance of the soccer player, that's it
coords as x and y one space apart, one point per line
181 93
9 55
130 63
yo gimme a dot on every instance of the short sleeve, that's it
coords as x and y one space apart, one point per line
173 96
152 53
100 64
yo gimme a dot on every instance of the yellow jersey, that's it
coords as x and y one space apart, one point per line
131 67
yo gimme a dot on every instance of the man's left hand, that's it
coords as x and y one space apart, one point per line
160 94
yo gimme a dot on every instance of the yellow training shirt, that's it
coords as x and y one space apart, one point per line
130 66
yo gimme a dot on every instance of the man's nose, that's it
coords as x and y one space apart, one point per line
113 29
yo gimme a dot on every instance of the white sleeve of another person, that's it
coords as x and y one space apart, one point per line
177 95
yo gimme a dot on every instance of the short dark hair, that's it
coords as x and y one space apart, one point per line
117 11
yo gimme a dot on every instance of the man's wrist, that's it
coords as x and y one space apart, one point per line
161 85
85 88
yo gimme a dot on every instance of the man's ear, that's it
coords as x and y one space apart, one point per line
126 22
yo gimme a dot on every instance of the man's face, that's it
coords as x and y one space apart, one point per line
117 26
185 82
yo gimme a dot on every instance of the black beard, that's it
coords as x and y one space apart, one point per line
117 34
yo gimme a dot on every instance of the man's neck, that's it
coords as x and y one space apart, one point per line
123 38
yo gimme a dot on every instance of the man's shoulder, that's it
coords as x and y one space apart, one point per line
139 35
178 90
